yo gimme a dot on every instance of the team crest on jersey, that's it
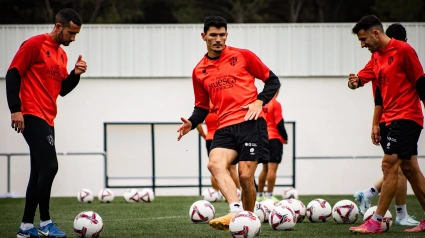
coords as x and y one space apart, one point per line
390 59
233 61
50 140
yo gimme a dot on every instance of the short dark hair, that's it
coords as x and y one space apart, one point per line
396 31
67 15
215 21
367 22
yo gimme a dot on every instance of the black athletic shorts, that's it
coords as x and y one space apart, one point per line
208 143
400 137
249 139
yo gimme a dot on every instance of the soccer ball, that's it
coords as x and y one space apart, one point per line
345 212
201 211
131 196
146 195
282 218
245 224
262 212
297 207
319 210
290 193
85 195
268 205
387 220
211 195
88 224
106 195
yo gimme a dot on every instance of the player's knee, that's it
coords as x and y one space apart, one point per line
388 168
246 179
407 171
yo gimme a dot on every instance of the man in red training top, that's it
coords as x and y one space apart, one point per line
277 137
399 86
35 79
225 76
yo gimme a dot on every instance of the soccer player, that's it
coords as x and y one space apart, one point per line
399 85
225 76
277 137
35 78
398 32
211 123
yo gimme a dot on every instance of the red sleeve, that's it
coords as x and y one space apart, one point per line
27 54
255 66
411 64
277 112
367 74
202 98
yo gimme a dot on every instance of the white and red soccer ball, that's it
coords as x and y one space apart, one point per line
146 195
297 207
106 195
131 196
290 193
387 220
319 210
245 224
282 218
201 211
85 195
211 195
345 212
88 224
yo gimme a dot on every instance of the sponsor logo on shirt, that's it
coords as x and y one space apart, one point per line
383 79
55 73
222 83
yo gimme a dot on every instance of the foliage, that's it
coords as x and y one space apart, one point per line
194 11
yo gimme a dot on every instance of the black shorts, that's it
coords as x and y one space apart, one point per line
249 139
401 138
276 150
208 144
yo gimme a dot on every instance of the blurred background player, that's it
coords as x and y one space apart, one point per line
225 76
211 123
363 198
36 77
398 84
277 137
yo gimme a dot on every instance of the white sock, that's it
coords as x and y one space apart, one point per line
269 195
377 217
401 211
235 207
26 226
45 223
371 192
260 194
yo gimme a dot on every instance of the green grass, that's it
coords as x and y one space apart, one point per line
168 217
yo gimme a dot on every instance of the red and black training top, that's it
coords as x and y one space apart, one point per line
228 81
394 71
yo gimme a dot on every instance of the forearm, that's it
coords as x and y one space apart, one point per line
198 116
13 86
69 83
271 85
377 114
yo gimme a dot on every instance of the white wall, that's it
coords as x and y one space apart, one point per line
331 121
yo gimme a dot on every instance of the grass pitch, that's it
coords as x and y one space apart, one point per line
169 217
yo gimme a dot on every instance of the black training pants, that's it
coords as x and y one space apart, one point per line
44 166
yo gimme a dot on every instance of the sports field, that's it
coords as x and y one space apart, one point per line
168 217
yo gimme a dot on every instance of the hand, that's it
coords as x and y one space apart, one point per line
184 128
375 135
80 66
254 110
285 142
353 81
18 122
